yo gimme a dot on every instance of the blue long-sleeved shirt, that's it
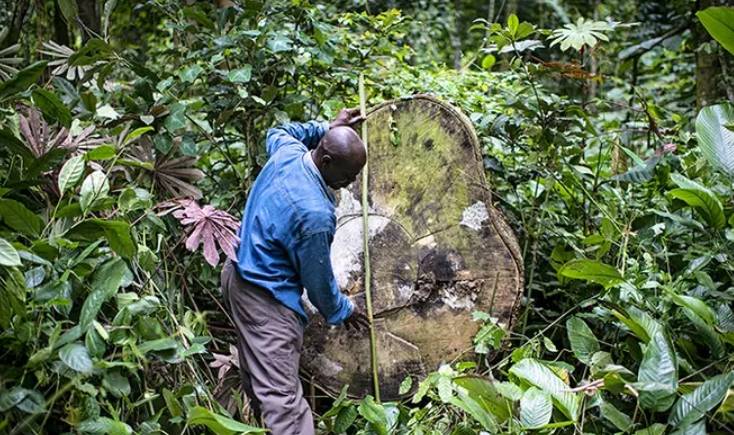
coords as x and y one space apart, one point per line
289 224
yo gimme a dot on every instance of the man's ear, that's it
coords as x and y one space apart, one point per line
325 160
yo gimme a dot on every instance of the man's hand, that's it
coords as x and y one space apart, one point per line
357 321
347 118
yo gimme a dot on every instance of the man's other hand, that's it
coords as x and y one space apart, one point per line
357 321
347 118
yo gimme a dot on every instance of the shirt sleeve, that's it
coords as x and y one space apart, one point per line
307 133
313 262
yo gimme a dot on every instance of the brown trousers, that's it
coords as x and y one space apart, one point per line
269 341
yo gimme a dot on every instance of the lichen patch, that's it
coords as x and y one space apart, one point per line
474 215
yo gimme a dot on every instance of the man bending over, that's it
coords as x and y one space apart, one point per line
285 242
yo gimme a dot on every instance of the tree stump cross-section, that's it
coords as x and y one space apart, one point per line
439 251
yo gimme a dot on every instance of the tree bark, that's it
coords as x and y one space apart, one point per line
439 251
16 23
713 84
61 30
456 36
90 17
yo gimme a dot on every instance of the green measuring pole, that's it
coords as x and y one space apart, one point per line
366 232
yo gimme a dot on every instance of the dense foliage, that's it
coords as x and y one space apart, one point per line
129 143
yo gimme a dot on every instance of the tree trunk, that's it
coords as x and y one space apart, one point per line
61 30
456 35
439 251
90 17
16 23
713 69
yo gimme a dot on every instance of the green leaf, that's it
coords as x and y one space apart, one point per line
102 152
658 374
583 341
116 383
655 429
71 173
176 118
21 81
219 424
719 22
94 188
345 418
488 61
52 107
639 173
512 23
117 233
8 255
715 140
619 419
190 74
697 428
472 407
70 10
137 133
18 217
537 374
696 305
374 413
160 344
76 356
694 405
700 198
105 283
105 425
485 394
240 75
406 385
535 408
593 271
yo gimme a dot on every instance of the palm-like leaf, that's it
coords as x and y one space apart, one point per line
42 138
61 54
172 175
207 226
715 131
7 62
582 33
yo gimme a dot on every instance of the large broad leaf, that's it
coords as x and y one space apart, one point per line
219 424
472 407
715 137
21 81
591 270
583 341
485 394
375 414
76 356
15 215
116 232
658 374
94 188
105 425
29 401
535 408
52 107
71 172
619 419
105 283
719 22
8 255
700 198
538 375
694 405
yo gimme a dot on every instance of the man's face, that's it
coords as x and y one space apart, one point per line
338 176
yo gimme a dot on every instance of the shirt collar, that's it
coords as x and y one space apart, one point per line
314 171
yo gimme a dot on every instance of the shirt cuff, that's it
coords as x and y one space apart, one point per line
345 311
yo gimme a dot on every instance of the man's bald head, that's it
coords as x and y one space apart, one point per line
340 156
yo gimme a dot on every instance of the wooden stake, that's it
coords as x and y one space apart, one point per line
366 233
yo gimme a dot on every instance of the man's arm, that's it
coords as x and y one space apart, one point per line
313 262
308 133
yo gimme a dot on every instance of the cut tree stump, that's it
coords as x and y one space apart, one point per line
439 251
